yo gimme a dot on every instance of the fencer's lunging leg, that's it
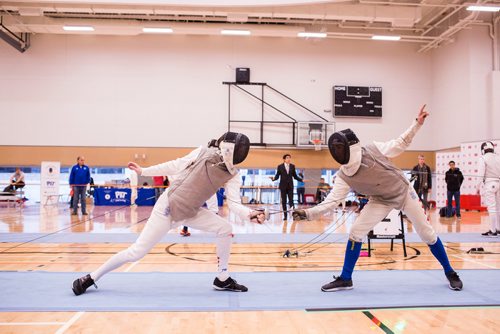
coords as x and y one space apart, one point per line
157 226
418 218
208 221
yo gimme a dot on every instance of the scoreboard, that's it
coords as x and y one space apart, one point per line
357 101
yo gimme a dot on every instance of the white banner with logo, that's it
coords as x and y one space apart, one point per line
467 159
49 182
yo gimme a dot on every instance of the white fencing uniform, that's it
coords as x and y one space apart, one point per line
489 172
161 220
383 196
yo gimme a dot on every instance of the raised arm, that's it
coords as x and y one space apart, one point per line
395 147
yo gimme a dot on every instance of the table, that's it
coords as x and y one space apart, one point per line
111 196
258 190
145 197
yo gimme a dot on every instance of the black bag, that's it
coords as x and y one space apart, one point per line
442 212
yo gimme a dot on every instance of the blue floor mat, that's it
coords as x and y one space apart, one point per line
51 291
207 238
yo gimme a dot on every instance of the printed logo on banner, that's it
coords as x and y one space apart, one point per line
120 194
49 182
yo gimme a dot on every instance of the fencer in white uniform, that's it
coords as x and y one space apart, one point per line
489 174
368 170
197 176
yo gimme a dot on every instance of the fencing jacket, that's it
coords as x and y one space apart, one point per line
196 184
197 176
489 168
376 177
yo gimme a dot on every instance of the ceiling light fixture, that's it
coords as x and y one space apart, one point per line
235 32
156 30
78 28
312 34
484 8
386 38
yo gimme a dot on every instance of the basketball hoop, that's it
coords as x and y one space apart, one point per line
317 144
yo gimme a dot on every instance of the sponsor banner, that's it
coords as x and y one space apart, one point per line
112 196
49 182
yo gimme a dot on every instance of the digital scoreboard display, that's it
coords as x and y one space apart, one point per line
354 101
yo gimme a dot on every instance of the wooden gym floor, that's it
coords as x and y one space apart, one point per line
79 257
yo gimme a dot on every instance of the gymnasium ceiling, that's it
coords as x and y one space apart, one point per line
430 23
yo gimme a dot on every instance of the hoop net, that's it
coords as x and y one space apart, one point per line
317 144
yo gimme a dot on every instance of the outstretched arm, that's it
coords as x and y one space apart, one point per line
232 190
277 176
167 168
397 146
295 176
339 192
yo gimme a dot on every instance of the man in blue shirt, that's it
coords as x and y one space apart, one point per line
78 180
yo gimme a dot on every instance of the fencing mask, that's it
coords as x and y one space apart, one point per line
234 149
345 148
487 147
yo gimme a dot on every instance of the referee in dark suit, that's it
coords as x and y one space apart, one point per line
285 172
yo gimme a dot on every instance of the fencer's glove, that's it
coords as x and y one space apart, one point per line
299 214
258 216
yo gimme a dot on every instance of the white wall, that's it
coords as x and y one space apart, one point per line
465 90
167 91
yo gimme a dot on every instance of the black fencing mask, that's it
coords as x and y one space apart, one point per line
339 145
487 147
234 148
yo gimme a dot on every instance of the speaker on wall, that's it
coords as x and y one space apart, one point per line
242 75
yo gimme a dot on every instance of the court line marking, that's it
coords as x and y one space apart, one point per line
70 322
473 261
377 322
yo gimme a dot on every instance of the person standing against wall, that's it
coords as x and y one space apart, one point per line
489 172
79 178
454 180
301 189
286 173
422 175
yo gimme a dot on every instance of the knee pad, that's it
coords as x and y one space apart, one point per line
429 237
225 230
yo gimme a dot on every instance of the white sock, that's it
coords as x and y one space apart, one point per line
223 252
223 275
493 221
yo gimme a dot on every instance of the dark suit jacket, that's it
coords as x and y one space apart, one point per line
286 181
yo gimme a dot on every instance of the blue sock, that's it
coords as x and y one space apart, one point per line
440 254
351 256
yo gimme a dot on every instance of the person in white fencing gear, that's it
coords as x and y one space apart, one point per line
369 171
197 176
489 172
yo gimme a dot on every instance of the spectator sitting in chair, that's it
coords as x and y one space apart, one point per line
322 190
16 181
